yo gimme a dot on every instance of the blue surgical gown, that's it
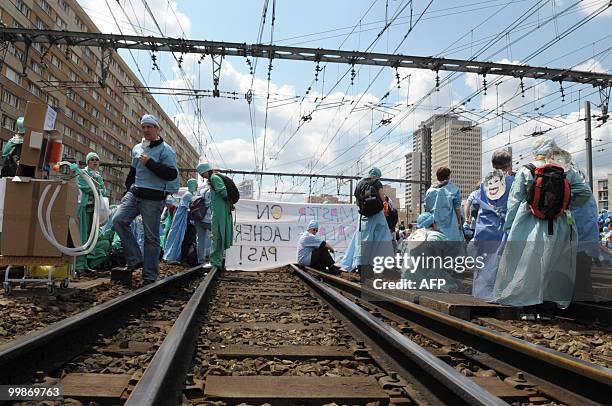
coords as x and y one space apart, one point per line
374 239
443 201
537 267
174 241
489 238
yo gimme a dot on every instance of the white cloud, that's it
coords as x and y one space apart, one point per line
171 21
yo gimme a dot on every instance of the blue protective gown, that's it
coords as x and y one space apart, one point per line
174 241
588 231
489 239
443 201
374 237
537 267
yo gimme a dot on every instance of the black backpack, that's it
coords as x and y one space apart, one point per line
10 164
233 195
197 209
549 195
367 197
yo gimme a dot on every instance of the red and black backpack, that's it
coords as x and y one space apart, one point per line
549 195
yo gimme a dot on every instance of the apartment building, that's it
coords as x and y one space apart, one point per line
91 117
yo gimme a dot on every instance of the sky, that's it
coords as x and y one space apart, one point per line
343 121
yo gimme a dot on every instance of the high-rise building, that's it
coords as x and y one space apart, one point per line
390 192
601 192
91 117
418 167
457 145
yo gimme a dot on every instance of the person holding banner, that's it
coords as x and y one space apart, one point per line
221 225
313 252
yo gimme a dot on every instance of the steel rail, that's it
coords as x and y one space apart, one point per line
50 347
586 379
448 377
162 382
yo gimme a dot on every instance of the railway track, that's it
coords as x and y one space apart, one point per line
96 355
285 338
494 359
295 337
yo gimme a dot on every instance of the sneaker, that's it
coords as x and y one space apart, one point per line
147 282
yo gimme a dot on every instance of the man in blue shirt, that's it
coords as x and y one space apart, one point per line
314 252
153 175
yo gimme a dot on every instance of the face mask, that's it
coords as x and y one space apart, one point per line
495 188
146 143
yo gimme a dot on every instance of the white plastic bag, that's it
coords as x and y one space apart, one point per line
104 210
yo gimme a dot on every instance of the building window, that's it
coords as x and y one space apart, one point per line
35 90
602 185
45 6
13 76
36 68
9 123
23 9
10 99
56 62
60 23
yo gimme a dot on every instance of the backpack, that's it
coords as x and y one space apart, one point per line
367 197
10 164
233 195
197 209
549 194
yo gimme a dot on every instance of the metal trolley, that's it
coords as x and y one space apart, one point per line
51 279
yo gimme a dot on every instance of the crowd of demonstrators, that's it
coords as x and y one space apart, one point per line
537 231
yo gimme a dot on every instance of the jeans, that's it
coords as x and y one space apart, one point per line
150 210
203 232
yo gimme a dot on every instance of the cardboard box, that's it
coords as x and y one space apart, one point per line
38 117
21 232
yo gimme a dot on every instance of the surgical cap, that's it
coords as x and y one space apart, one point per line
20 126
313 224
374 173
91 155
543 145
149 119
425 219
204 167
192 184
605 229
170 200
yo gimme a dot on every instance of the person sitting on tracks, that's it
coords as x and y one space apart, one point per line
428 247
539 260
153 176
314 252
